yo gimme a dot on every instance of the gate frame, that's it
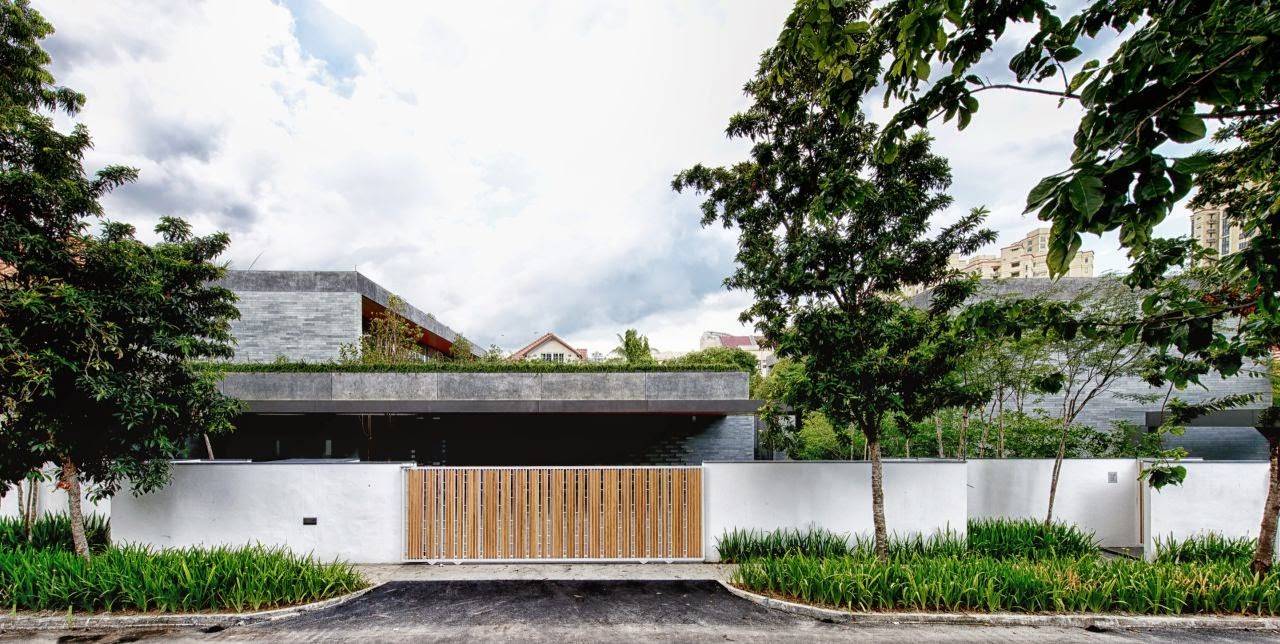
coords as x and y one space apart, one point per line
404 508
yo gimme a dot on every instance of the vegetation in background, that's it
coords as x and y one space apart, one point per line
481 366
53 532
179 580
633 347
1177 67
461 349
743 545
391 339
99 329
728 356
828 237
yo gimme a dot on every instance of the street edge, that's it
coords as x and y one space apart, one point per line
195 620
1071 620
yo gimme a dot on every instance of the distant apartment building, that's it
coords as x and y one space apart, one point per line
1215 231
1025 258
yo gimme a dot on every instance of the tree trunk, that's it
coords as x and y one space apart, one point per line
908 448
877 496
937 425
1264 556
71 480
1057 469
1000 426
964 434
208 447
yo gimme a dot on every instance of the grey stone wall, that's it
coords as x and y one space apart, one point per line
727 438
1218 443
300 325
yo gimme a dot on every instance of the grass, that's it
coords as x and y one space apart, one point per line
993 538
53 532
1029 539
136 578
1087 584
1210 548
1003 565
46 575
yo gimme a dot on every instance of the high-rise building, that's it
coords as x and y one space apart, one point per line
1025 258
1215 231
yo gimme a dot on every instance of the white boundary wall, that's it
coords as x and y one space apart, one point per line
1100 495
1224 497
51 500
358 507
920 497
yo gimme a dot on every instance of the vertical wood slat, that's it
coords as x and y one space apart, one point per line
553 513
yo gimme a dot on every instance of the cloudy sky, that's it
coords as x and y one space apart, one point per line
507 170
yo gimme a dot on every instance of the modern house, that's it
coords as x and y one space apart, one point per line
550 347
450 417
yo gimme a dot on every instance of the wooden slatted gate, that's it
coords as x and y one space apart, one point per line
553 513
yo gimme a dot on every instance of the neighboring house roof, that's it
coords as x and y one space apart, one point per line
737 341
545 338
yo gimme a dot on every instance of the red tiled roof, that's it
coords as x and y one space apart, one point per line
736 341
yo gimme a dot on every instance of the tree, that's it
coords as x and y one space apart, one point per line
1087 366
391 339
1178 66
828 237
634 347
461 349
718 356
98 332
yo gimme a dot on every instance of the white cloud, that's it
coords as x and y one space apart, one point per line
505 168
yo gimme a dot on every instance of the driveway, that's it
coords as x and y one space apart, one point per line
592 611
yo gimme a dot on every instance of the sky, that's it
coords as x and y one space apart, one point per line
506 169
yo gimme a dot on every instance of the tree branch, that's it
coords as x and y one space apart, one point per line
1266 111
1033 90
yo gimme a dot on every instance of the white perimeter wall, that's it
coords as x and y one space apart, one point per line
919 497
359 509
1221 497
1100 495
51 500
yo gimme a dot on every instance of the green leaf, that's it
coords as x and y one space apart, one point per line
922 70
1043 190
1085 194
1186 129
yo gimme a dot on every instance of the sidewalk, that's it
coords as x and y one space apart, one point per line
379 573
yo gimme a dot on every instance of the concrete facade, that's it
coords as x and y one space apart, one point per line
307 316
707 391
296 326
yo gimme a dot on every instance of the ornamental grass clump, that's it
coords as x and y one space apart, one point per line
741 545
53 532
1085 584
137 578
1028 539
1208 548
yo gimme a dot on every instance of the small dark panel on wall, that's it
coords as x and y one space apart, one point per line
308 520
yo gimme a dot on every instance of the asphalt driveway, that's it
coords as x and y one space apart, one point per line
592 611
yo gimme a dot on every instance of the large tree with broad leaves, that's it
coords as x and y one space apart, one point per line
97 330
1178 67
828 239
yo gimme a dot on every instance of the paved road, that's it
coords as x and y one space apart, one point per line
592 611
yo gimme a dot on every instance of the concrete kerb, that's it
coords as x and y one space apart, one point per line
18 622
1076 620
